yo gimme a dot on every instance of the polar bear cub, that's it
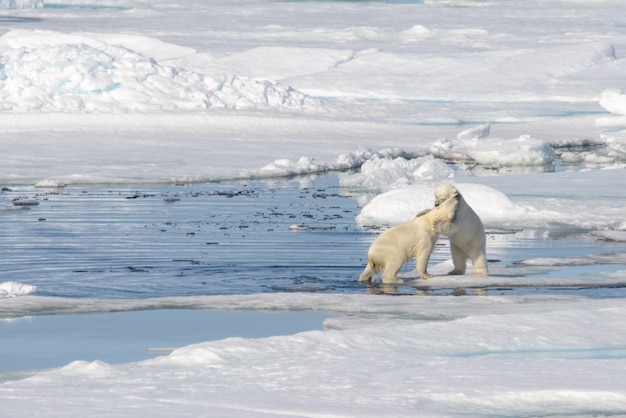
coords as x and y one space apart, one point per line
466 232
416 238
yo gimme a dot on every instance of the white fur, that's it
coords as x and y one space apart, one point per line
401 243
466 232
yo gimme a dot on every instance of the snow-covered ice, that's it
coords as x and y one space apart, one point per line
389 357
91 73
519 104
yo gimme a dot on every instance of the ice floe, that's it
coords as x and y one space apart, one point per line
402 204
14 289
475 356
85 72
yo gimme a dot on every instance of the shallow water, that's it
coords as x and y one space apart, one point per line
234 238
213 238
48 341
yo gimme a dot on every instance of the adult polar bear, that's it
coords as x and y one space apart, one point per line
416 238
466 232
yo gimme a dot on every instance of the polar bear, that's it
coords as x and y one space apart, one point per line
466 232
415 238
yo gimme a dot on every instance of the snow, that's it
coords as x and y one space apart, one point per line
401 205
14 289
380 172
614 101
519 104
398 356
285 167
87 73
20 4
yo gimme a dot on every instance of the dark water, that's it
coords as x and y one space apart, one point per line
203 239
222 238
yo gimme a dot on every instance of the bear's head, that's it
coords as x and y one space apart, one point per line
444 192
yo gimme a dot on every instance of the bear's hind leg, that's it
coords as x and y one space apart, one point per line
367 274
459 258
480 264
391 269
